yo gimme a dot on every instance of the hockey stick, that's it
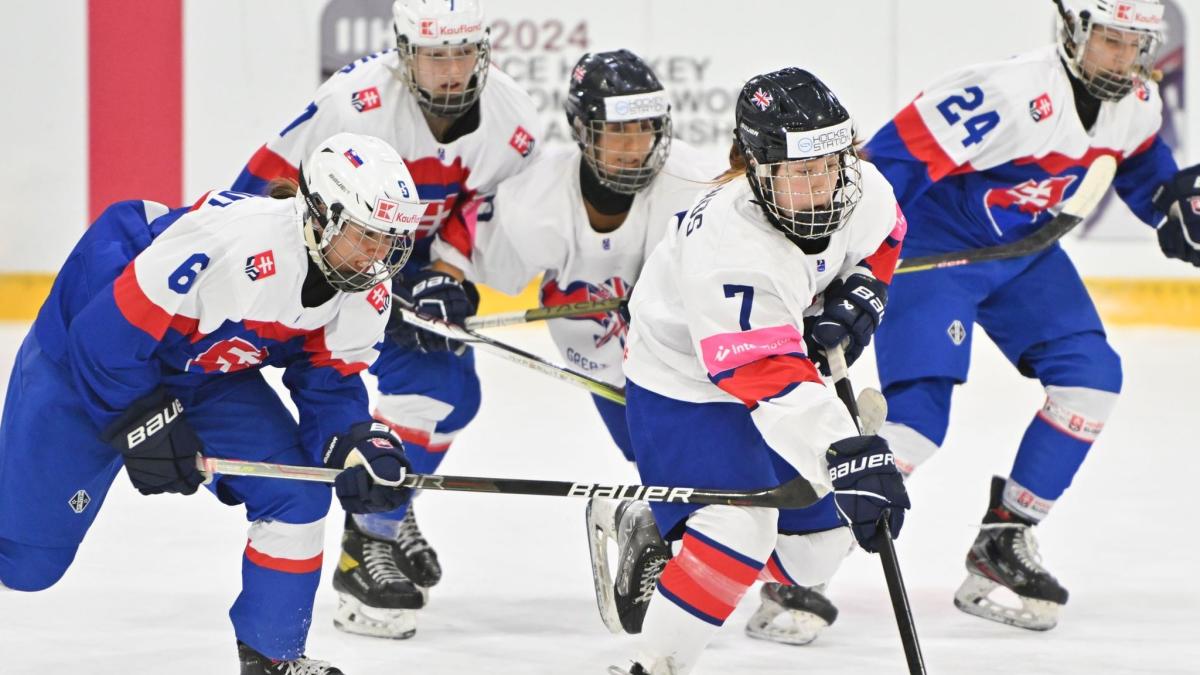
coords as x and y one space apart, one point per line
506 351
570 311
794 494
883 540
1091 190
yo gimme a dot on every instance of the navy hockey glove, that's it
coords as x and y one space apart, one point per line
375 465
853 308
1179 198
438 295
865 484
158 444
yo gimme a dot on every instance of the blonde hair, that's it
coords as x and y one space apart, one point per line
282 188
737 166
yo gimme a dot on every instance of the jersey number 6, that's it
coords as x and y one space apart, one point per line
977 126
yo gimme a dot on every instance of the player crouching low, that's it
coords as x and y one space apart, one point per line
147 353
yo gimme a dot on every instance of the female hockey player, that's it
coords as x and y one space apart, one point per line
459 138
720 390
980 159
147 353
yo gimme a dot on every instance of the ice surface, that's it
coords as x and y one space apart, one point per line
517 597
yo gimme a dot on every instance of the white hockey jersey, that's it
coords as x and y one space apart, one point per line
719 314
542 228
455 179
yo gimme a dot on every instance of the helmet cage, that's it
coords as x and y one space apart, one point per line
1103 83
327 225
611 149
807 198
451 104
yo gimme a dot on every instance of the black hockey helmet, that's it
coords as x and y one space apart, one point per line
617 95
798 144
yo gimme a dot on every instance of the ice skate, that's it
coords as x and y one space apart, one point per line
641 556
254 663
374 597
791 615
1005 554
414 556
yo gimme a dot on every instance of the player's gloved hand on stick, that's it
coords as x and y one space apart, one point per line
375 465
158 445
439 295
853 308
865 484
1179 198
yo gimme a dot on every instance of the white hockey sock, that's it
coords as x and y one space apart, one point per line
910 448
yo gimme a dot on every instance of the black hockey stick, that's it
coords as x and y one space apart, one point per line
794 494
883 540
570 311
1081 204
506 351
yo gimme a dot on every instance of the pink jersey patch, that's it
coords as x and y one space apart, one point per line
727 351
901 227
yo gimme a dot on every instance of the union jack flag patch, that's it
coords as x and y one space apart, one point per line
762 99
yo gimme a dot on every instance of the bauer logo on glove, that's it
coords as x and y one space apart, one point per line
860 464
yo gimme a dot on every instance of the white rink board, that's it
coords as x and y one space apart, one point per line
517 598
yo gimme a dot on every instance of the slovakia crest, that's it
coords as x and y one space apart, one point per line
1021 204
260 265
380 298
1041 108
228 356
521 141
1141 91
762 99
366 99
612 324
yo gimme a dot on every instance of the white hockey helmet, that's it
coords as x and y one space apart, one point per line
362 210
451 39
1110 45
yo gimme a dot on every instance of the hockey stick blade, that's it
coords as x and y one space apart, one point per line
569 311
1081 204
508 352
794 494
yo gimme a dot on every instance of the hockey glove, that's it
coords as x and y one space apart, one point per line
853 308
1179 198
158 445
440 296
375 465
865 484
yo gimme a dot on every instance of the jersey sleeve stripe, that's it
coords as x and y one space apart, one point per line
767 378
136 307
322 357
922 144
263 167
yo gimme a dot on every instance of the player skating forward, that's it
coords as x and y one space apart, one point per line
981 158
459 138
147 352
720 390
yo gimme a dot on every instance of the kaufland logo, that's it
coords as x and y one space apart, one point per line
1143 15
461 29
386 210
429 28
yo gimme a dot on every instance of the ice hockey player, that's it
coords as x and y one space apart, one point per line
462 127
981 158
720 389
148 351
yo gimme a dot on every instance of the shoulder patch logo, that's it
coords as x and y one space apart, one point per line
366 99
1141 91
521 141
380 297
260 265
1041 108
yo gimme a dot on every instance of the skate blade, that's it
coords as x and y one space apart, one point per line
796 627
354 617
600 532
1033 614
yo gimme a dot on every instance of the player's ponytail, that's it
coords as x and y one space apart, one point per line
282 188
737 166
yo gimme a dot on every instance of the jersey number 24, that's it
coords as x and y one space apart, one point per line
953 109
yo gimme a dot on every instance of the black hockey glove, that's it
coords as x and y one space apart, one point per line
853 308
375 465
865 484
158 444
438 295
1179 198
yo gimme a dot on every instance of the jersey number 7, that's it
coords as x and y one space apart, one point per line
977 126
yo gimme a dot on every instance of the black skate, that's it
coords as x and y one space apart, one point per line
374 597
1006 554
792 615
254 663
641 556
414 556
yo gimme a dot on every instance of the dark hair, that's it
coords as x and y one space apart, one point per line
283 188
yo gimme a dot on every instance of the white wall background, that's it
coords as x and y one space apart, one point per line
250 66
